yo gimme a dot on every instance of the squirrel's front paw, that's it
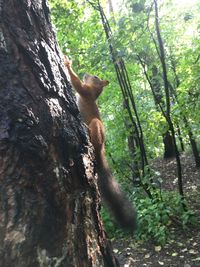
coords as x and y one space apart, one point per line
67 61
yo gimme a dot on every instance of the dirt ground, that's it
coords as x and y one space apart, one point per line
183 248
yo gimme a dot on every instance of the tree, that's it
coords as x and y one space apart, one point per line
167 113
49 203
155 85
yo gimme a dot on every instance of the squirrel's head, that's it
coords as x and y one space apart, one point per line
95 83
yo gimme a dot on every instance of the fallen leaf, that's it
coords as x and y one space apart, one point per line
143 249
184 250
147 256
196 259
128 253
192 251
158 248
174 254
180 244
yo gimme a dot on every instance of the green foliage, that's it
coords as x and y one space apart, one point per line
153 220
155 217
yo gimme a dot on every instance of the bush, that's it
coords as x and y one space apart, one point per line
155 216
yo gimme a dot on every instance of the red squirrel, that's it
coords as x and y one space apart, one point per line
88 91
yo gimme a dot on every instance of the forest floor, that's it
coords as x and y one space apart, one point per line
183 246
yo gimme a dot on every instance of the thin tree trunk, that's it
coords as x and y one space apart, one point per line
168 104
194 148
49 205
124 82
133 146
180 138
125 86
193 142
133 142
155 86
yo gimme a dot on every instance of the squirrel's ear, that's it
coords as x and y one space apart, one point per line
105 82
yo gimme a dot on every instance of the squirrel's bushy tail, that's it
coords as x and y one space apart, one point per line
114 198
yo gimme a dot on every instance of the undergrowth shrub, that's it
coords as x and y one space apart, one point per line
155 217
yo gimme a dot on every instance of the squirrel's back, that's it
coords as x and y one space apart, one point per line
88 108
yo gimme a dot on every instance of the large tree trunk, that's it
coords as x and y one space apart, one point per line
49 205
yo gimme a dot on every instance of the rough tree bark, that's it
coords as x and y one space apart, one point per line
49 203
